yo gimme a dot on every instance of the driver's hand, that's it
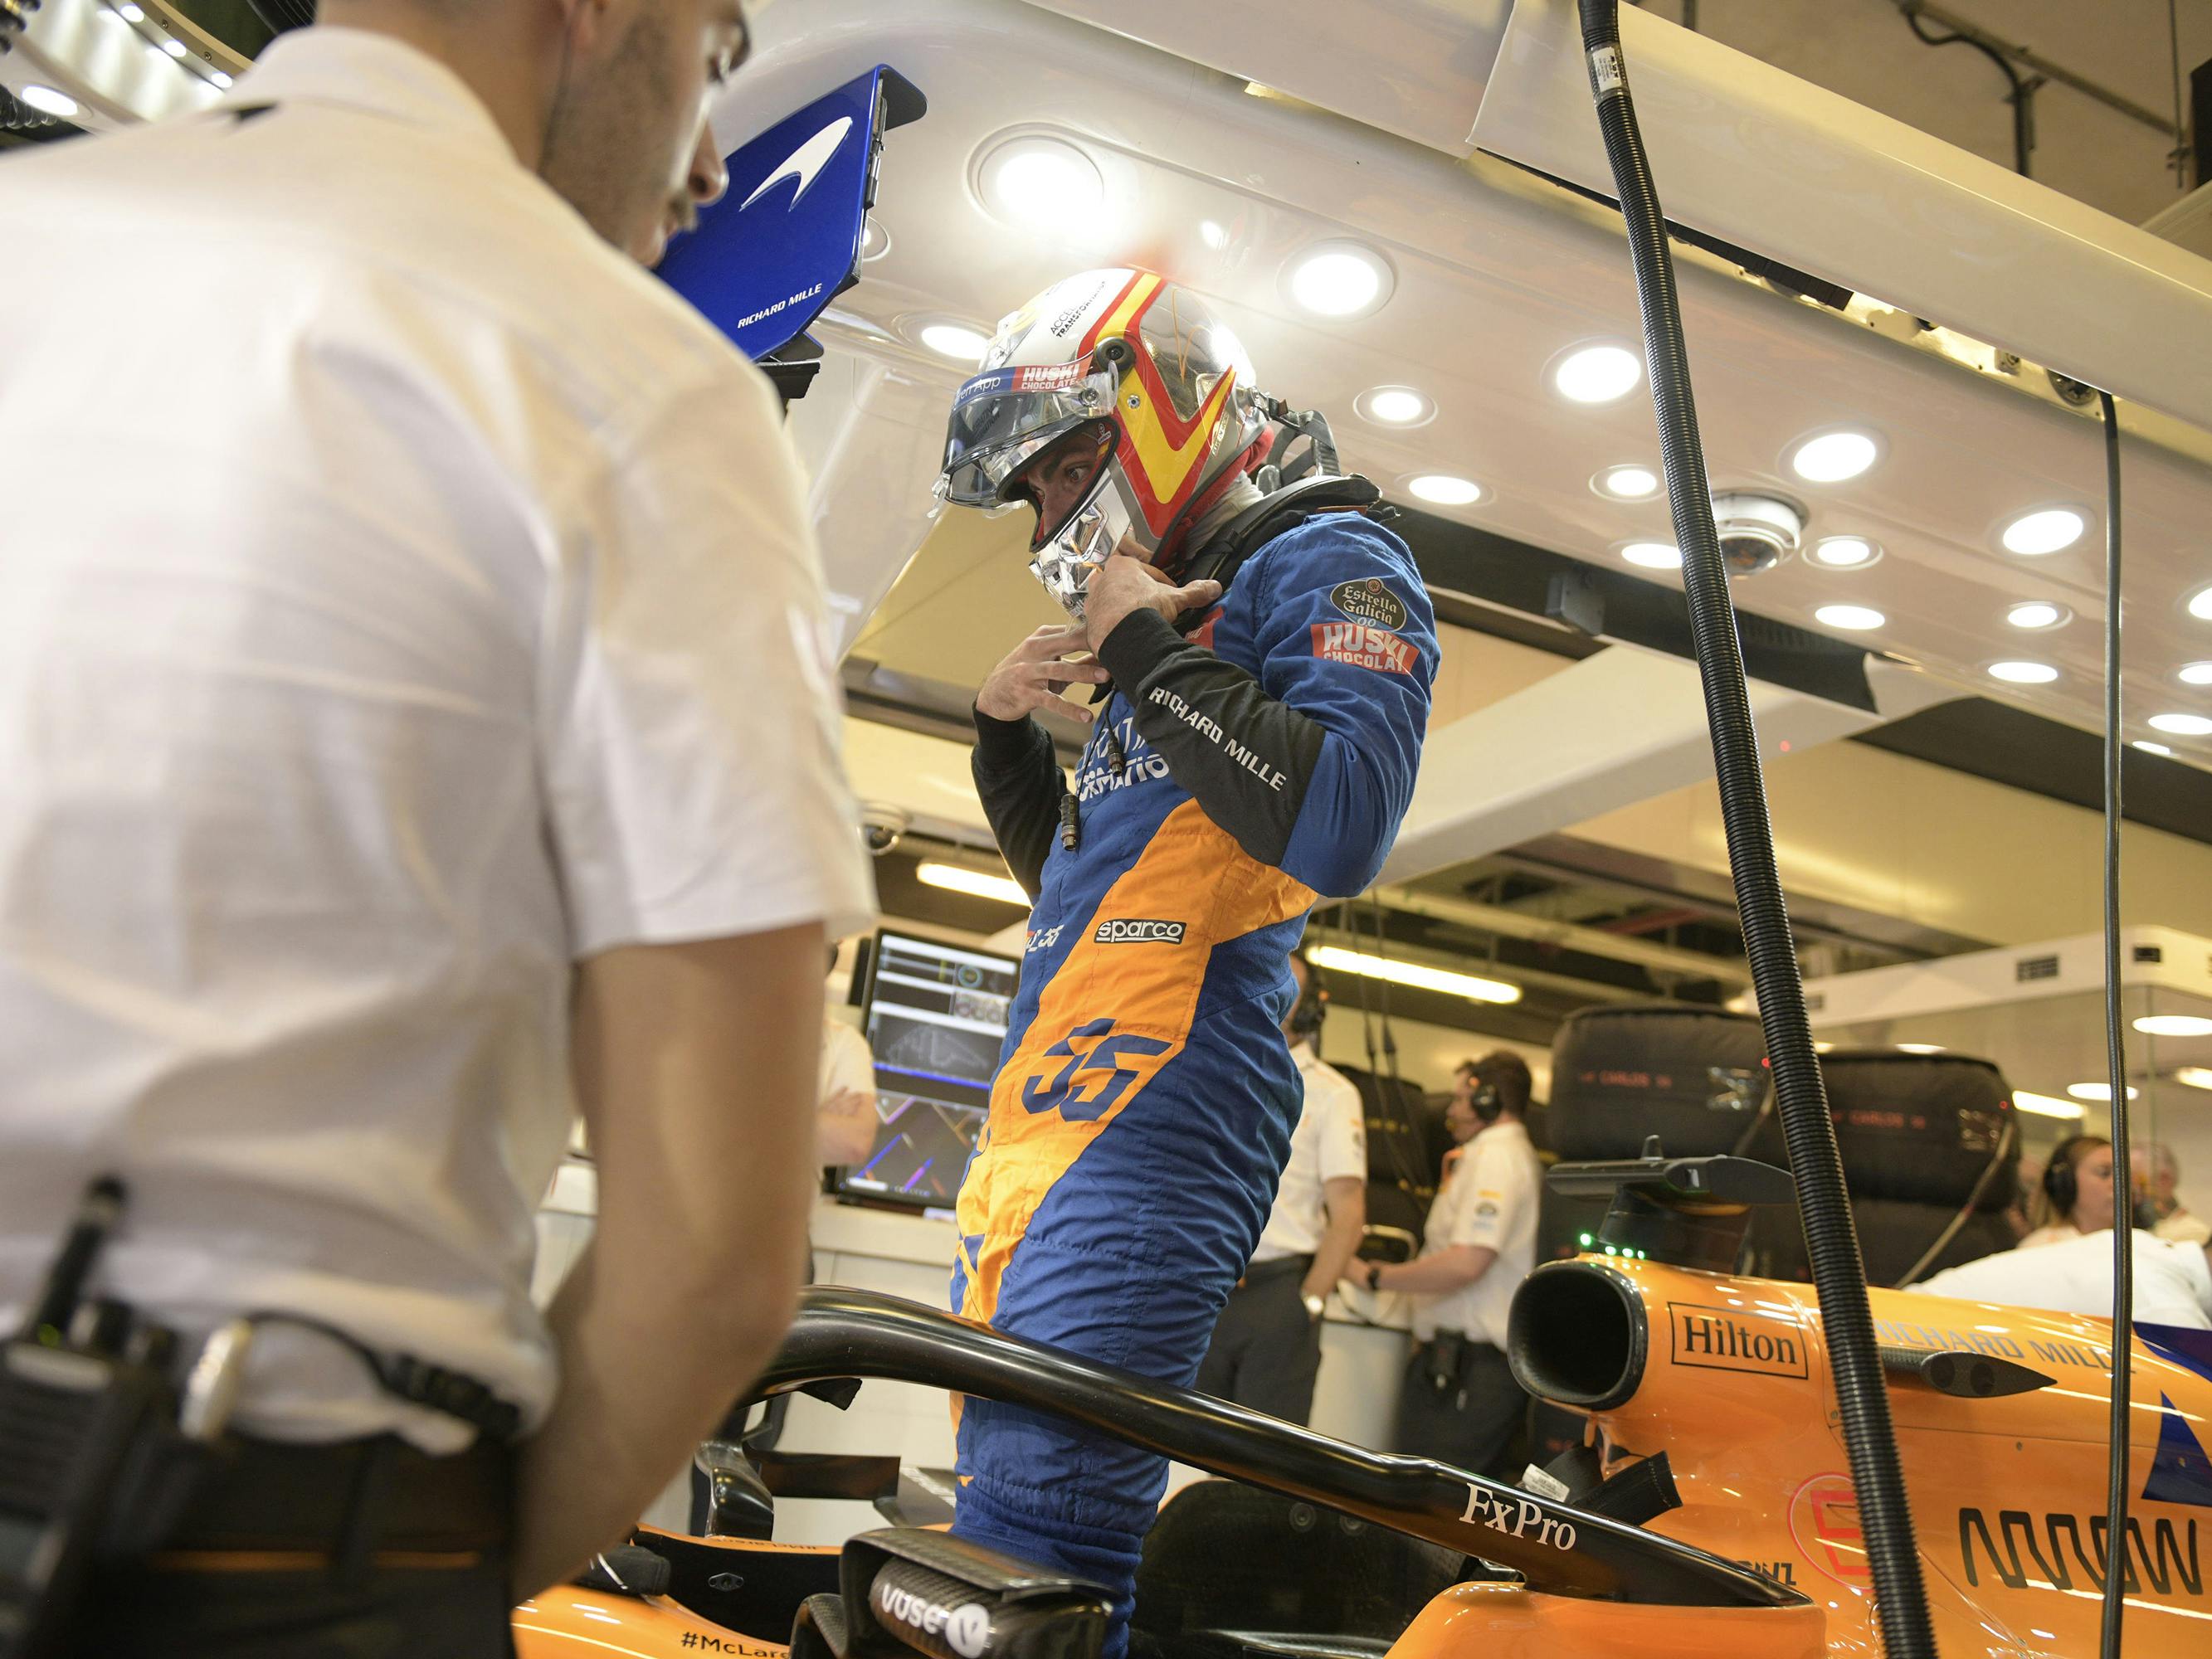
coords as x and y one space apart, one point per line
1123 585
1033 672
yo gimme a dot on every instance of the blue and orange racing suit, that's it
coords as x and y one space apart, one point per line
1143 1107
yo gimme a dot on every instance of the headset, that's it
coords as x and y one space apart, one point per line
1312 1005
2062 1185
1485 1101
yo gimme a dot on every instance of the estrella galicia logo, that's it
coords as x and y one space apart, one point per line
1131 931
805 164
1078 1092
1368 601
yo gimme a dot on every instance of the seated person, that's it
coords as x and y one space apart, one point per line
2077 1192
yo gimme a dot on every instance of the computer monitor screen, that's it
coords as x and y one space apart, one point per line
936 1016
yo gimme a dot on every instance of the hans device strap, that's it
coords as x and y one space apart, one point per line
1221 558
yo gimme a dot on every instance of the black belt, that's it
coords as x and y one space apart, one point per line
356 1503
1262 1272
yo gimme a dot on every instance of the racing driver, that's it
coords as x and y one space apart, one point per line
1264 659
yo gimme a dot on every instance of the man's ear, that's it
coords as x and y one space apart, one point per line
585 24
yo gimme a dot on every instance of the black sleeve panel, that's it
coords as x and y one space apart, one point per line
1018 776
1244 756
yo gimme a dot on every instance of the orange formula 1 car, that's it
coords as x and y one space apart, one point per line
1710 1511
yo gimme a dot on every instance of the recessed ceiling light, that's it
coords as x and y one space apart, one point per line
47 101
1653 555
132 12
1214 235
2037 614
2047 529
2044 1105
2194 673
2182 725
2196 1077
957 341
1832 456
875 241
1597 373
220 78
1045 184
174 46
2150 748
2023 673
1922 1048
1394 405
1850 616
2200 603
2097 1091
1845 552
1627 483
1444 489
2180 1025
1338 279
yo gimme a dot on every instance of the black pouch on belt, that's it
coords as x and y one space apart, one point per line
1444 1360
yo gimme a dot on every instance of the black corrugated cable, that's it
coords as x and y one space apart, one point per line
1839 1271
2123 1232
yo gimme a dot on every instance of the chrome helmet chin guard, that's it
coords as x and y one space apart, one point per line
1115 407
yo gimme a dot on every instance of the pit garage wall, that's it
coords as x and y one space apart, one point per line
1901 837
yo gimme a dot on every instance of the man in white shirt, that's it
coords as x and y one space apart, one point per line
1266 1351
1460 1404
413 701
2158 1175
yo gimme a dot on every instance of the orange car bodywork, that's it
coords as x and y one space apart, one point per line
2007 1494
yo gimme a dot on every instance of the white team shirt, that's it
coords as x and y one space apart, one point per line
845 1062
1488 1198
1330 1142
411 599
2172 1281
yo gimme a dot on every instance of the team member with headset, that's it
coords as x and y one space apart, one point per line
1266 1352
414 724
2077 1191
1460 1403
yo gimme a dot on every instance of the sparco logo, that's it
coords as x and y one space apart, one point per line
1721 1339
1132 931
967 1628
1368 601
1518 1515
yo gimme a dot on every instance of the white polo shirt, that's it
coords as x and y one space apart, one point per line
404 597
1488 1198
1329 1143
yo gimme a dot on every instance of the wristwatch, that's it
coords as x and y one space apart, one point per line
1314 1306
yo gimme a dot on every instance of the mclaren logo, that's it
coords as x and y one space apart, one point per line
805 164
1132 931
965 1629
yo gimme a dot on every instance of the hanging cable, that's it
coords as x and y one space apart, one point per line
1862 1393
2124 1237
2023 117
2180 156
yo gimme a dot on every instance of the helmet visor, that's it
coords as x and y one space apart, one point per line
1001 421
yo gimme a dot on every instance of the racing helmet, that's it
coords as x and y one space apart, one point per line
1123 382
